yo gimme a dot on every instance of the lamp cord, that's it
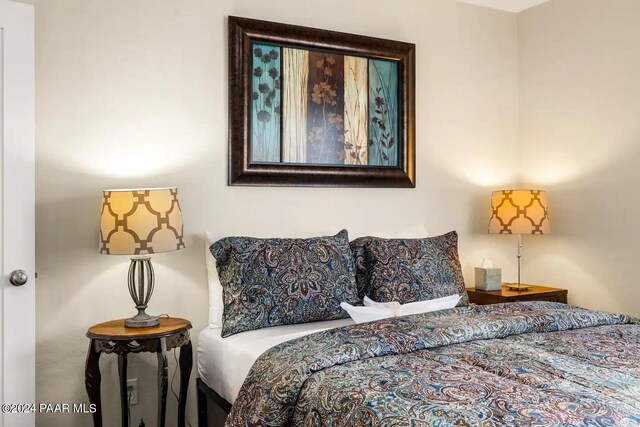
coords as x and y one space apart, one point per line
173 376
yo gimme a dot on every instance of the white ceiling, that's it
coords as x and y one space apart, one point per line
508 5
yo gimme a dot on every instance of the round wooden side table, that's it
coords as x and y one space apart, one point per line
113 337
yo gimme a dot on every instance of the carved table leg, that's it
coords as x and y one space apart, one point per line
186 362
124 401
162 387
92 379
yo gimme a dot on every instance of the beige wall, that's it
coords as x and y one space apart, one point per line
133 94
580 138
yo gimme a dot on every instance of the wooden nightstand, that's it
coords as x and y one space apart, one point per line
113 337
536 293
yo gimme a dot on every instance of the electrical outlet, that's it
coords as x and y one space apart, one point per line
132 391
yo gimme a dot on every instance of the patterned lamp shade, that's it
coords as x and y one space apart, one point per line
137 222
519 212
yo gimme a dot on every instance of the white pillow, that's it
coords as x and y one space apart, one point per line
414 232
366 314
429 305
216 305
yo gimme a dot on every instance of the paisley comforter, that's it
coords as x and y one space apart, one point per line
521 364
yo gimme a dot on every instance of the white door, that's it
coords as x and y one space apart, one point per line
17 235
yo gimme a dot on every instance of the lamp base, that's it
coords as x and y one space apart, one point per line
142 320
518 287
141 291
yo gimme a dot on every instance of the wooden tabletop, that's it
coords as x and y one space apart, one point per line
115 330
533 290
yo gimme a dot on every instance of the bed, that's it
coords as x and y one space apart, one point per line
529 363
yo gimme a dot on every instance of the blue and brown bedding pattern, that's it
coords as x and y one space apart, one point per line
529 363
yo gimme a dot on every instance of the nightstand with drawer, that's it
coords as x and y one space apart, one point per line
535 293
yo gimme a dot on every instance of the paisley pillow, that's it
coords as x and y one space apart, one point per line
409 270
271 282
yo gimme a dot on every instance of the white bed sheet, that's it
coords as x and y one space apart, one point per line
224 363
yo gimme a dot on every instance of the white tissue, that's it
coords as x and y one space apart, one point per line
486 263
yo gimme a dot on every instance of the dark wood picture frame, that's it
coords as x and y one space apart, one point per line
242 171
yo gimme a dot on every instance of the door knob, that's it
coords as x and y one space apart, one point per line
18 277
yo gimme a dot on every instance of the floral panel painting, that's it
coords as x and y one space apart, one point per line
265 104
323 108
325 123
383 116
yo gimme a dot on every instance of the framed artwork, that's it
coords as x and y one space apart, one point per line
319 108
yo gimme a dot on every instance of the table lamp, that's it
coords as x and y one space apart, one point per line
519 212
141 222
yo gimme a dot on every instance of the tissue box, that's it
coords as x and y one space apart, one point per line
488 279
